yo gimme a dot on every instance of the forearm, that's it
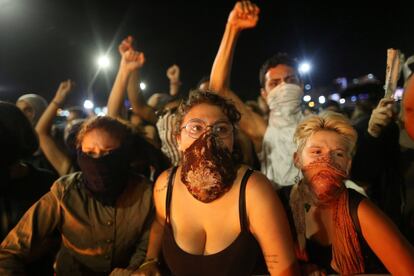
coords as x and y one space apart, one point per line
174 88
117 93
45 123
139 106
155 239
220 73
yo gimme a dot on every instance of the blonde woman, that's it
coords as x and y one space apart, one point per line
338 230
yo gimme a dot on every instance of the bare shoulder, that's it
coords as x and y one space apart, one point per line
161 184
160 192
259 185
367 211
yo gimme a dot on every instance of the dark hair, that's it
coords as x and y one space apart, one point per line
79 111
205 78
17 136
112 126
279 58
197 97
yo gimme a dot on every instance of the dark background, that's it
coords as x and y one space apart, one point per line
45 42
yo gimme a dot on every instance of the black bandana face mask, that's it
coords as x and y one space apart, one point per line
105 177
208 170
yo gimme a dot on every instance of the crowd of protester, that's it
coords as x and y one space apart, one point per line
207 184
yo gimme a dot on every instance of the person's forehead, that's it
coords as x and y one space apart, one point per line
23 103
326 138
206 112
280 71
99 136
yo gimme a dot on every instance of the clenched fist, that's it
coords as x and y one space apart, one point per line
244 15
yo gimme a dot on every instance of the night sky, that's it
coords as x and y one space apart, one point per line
44 42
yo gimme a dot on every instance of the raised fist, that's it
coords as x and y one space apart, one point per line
244 15
173 73
64 89
125 45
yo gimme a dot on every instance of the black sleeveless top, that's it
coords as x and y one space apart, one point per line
239 258
322 255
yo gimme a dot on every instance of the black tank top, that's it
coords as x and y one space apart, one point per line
239 258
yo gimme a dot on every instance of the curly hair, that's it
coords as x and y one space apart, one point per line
331 121
197 97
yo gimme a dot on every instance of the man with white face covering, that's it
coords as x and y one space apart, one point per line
282 90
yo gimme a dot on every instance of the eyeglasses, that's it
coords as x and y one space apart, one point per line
196 127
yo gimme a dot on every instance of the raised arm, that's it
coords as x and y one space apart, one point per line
56 156
131 60
269 225
394 251
243 16
139 106
173 74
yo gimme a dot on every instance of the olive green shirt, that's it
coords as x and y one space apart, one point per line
95 238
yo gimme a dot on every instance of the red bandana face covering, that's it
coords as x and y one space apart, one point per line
324 179
208 170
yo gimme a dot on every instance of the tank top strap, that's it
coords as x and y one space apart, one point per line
242 201
169 193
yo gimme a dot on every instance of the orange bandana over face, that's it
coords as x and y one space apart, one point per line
324 179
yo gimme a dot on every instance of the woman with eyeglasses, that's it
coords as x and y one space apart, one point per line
102 214
213 215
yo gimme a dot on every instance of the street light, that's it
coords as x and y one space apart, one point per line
88 104
304 68
322 99
103 62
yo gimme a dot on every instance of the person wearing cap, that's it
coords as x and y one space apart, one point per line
32 105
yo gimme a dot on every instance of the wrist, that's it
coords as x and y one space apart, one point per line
233 27
149 261
373 133
175 82
57 103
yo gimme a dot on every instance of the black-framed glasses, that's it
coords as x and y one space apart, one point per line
196 127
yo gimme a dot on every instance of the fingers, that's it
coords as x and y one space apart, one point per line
126 44
246 8
385 102
173 73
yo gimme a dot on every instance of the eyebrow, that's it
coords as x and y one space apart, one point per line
280 78
319 147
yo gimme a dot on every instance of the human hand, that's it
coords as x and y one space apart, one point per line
121 272
64 89
132 60
311 270
173 73
381 116
244 15
125 45
150 269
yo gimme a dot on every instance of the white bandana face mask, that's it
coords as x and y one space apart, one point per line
284 102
